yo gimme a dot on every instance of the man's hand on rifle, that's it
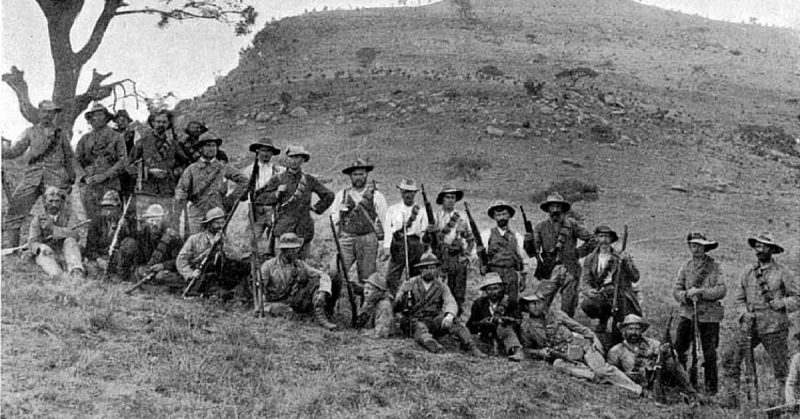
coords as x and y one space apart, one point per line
777 304
195 274
693 293
447 322
626 257
383 254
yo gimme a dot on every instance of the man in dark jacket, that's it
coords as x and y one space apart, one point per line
488 318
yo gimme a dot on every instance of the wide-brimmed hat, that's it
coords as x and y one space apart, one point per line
358 164
55 190
122 112
764 238
378 281
491 278
110 199
203 127
408 185
498 205
699 238
632 319
207 137
97 107
265 142
446 189
298 150
153 211
213 214
48 105
427 259
604 229
289 241
531 296
555 199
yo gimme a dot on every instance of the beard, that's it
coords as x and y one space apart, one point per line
633 337
503 223
160 131
359 183
763 257
428 277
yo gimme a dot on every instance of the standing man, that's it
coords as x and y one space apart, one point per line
555 239
154 248
160 164
600 271
488 318
406 225
203 184
455 242
504 249
49 163
130 137
49 232
194 130
359 211
264 150
289 281
430 310
102 157
227 270
765 294
290 194
700 287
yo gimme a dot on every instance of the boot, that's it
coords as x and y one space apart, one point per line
516 354
477 353
432 345
320 315
77 274
10 238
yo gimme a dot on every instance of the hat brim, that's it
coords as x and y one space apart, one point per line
483 287
290 246
424 264
440 198
775 247
407 188
708 244
208 220
306 156
564 204
622 326
255 146
351 169
509 208
531 298
201 143
109 115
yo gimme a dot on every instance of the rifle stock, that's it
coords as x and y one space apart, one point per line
351 297
617 312
659 391
479 247
693 371
255 263
112 249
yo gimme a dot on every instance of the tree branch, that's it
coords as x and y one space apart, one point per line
99 31
207 10
16 80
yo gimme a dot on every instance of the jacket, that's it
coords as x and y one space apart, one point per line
706 276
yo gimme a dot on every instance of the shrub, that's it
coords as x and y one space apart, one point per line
573 190
467 168
361 129
366 56
491 70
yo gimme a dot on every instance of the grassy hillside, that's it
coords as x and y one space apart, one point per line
634 101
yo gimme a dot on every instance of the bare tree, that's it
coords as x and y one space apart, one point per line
61 15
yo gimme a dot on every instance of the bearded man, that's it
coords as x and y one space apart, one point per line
504 250
488 318
50 232
455 242
154 247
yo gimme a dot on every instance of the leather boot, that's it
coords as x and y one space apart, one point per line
10 237
320 315
432 345
473 350
516 354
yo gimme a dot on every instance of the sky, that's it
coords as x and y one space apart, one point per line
186 57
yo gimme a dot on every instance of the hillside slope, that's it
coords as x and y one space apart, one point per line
681 123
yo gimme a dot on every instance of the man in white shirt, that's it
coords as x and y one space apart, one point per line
358 211
404 229
264 150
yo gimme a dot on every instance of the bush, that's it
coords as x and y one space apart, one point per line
366 56
361 129
491 70
466 168
573 190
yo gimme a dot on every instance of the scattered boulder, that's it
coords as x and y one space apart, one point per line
678 187
263 116
572 190
570 162
298 112
495 132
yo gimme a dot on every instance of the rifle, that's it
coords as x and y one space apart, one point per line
751 374
778 411
659 393
12 250
340 266
617 312
431 219
541 271
141 282
695 345
212 253
408 314
479 247
112 249
255 263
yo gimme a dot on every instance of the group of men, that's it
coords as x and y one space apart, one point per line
422 292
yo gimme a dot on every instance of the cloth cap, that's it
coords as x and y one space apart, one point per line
378 281
297 150
764 238
632 319
289 241
48 105
604 229
555 198
446 189
699 238
98 107
153 211
408 185
501 205
54 190
213 214
358 164
427 259
265 142
110 199
491 278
